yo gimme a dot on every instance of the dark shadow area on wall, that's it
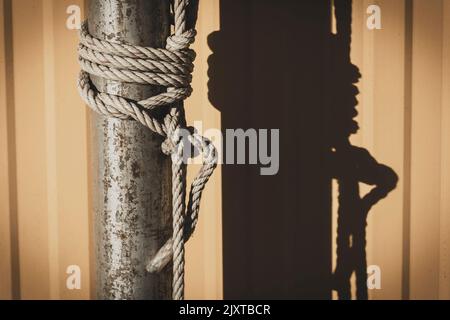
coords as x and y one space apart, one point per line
276 65
269 70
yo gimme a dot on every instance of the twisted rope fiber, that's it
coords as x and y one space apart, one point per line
171 68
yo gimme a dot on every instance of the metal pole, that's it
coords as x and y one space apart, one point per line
132 179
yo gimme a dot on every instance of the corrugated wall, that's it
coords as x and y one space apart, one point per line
404 115
404 119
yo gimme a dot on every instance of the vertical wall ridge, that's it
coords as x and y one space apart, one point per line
406 228
51 145
444 287
10 201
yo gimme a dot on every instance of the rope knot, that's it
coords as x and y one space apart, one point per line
181 42
170 68
168 147
173 144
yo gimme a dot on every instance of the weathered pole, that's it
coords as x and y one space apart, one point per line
132 178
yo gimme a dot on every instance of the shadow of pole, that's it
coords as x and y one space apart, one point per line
276 65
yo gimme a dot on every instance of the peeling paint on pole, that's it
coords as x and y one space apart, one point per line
132 178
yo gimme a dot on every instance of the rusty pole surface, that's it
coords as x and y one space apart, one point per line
131 177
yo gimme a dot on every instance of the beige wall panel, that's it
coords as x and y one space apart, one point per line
204 250
30 116
379 55
388 140
444 281
5 209
426 148
67 128
51 151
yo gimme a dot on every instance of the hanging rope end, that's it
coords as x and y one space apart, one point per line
161 259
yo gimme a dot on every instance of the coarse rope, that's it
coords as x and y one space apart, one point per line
171 68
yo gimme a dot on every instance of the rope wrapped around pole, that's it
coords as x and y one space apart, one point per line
171 68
